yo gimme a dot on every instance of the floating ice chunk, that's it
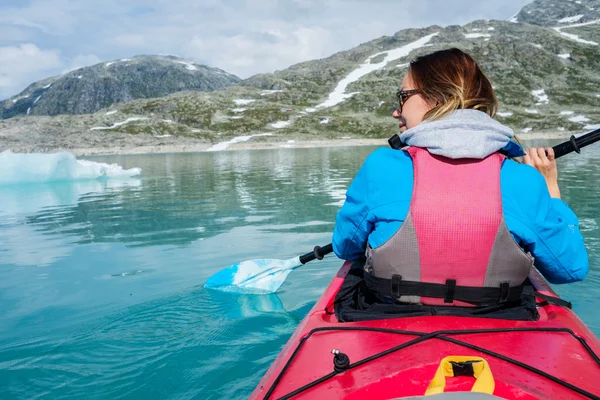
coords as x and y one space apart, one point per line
237 117
112 112
280 124
504 114
567 112
243 102
168 121
491 28
163 136
291 141
238 110
37 168
311 110
324 121
117 124
531 111
238 139
565 56
579 118
526 130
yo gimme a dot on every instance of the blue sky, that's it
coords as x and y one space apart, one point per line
42 38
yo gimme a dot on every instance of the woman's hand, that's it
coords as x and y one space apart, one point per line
546 164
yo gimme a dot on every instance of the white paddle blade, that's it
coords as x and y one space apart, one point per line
253 276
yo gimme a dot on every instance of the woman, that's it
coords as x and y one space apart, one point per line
450 220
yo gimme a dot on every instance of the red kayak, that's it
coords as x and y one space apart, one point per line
555 357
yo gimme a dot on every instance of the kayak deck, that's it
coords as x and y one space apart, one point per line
395 358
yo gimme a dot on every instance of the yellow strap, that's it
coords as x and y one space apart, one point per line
484 381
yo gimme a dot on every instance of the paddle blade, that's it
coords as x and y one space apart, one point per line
253 276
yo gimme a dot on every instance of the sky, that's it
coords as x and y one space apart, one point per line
43 38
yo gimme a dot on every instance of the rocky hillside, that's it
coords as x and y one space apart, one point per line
547 78
555 13
90 89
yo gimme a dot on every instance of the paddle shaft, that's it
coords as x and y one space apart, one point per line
573 144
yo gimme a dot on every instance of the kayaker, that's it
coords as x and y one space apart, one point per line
453 219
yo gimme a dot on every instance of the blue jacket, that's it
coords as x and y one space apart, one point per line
378 200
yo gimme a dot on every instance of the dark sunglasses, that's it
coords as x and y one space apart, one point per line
403 95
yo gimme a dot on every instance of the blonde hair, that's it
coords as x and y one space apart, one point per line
450 80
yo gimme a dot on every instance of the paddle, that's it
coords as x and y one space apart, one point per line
263 275
267 275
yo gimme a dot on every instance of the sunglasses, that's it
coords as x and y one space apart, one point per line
403 95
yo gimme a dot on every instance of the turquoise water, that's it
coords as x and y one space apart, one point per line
101 282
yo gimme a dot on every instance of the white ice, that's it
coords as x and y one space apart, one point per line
36 100
530 111
28 110
243 102
237 117
268 92
541 95
311 110
491 28
339 93
47 86
592 126
565 56
188 65
163 136
20 168
575 37
117 124
238 110
324 121
579 118
570 19
567 112
281 124
168 121
526 130
112 112
504 114
477 35
238 139
108 64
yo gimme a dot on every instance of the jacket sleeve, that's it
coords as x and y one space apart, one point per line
546 227
352 226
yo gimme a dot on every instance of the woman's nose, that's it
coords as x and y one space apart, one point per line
396 113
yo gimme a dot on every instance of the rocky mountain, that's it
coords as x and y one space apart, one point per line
90 89
558 12
547 78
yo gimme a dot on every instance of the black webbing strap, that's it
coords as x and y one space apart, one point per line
483 296
554 300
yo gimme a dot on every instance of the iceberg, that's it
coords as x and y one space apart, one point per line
17 168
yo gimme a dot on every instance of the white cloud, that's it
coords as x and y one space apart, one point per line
24 64
81 61
240 36
241 53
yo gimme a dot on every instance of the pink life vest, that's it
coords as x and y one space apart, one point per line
454 247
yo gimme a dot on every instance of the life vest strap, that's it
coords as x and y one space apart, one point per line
481 296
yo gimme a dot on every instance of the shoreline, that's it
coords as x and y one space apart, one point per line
287 143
